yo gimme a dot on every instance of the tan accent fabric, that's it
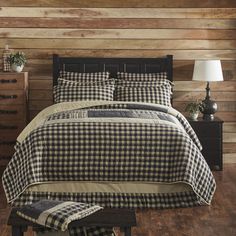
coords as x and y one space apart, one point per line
108 187
67 106
117 120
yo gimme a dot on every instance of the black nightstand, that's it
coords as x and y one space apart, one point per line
210 136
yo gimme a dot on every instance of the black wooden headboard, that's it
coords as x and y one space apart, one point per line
113 65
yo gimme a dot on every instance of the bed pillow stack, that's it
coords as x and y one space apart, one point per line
148 87
73 86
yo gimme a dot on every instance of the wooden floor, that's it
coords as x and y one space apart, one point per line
219 219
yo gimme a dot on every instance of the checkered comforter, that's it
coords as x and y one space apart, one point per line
116 142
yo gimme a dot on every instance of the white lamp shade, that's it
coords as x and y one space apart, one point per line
207 70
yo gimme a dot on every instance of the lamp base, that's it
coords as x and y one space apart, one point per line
208 117
208 109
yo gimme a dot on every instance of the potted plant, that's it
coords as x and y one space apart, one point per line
193 109
17 61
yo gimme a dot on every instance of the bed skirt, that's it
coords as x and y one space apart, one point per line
117 200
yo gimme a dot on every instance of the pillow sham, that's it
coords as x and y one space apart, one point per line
84 77
142 76
134 83
65 82
77 93
159 95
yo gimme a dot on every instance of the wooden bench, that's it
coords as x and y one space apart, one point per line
122 218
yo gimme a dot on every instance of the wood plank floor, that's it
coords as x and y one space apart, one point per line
219 219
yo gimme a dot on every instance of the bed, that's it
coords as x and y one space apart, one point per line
112 153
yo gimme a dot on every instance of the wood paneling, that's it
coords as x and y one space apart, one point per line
128 28
117 23
120 3
213 13
153 44
118 33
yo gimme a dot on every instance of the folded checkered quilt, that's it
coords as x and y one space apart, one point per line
114 142
57 215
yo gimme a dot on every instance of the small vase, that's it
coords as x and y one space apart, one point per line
193 116
17 68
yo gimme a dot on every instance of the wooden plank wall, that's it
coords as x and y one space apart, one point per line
128 28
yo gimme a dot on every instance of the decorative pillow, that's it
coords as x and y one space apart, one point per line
77 93
159 95
84 77
64 82
142 76
139 83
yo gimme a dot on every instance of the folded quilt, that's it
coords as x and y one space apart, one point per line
109 141
58 214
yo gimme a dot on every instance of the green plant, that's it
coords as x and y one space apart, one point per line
194 107
17 58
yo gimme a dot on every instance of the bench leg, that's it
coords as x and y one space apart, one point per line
127 231
18 230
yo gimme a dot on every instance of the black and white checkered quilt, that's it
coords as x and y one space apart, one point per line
57 215
116 142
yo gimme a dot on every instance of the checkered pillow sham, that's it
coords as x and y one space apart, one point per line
84 77
64 82
78 93
159 95
142 76
134 83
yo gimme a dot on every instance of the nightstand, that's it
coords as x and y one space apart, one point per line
13 111
210 135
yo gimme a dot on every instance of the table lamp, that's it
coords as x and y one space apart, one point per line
209 71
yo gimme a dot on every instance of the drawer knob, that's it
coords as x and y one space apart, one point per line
8 126
8 81
7 142
8 112
8 96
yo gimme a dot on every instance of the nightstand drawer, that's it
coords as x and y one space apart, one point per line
6 153
7 150
12 97
213 159
12 113
12 81
206 130
4 160
9 137
210 136
211 144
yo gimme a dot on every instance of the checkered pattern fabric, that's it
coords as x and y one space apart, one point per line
92 231
6 64
84 77
116 200
57 215
64 82
139 83
77 93
159 95
109 151
88 231
142 76
149 107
